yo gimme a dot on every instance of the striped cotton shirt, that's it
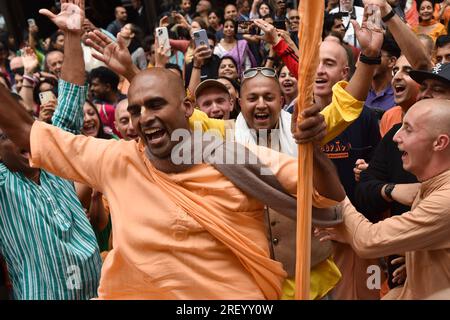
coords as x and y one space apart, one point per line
47 241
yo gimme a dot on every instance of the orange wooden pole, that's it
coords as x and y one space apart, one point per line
310 35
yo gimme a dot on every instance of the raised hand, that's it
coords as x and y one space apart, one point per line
201 54
30 61
161 57
384 5
270 32
164 22
369 35
114 54
47 110
71 17
182 22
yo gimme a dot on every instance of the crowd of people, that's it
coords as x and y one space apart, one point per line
94 202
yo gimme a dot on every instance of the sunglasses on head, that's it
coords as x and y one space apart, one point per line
19 71
252 72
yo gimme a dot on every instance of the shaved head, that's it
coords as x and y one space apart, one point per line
435 114
331 44
424 138
147 78
121 106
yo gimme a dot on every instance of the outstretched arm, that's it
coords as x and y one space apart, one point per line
71 87
407 40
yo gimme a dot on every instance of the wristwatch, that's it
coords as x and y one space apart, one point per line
388 190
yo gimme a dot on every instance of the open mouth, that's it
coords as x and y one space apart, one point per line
399 89
90 129
321 81
261 116
288 85
155 135
404 154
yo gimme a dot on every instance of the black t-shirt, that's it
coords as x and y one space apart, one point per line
358 141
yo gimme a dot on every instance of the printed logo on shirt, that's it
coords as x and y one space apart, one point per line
337 150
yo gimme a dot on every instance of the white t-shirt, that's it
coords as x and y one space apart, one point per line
350 34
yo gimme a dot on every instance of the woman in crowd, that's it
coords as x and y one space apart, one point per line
56 41
427 23
260 9
228 68
132 35
289 88
215 24
237 49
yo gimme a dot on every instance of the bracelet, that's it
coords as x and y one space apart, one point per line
195 67
370 60
30 79
271 58
389 16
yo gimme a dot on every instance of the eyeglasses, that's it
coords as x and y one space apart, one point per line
252 72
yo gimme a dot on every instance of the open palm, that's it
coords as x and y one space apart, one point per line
114 54
370 37
71 17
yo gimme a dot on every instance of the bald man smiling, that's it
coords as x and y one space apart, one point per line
422 233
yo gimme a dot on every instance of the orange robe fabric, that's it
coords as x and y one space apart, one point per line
390 118
190 235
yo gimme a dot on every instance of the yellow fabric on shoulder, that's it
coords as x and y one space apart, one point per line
343 110
339 114
324 277
206 123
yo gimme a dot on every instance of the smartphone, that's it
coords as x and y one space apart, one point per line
201 38
46 96
280 24
162 35
31 22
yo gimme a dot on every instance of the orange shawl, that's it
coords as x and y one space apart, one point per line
268 274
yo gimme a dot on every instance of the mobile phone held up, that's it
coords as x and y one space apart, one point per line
200 38
46 96
162 34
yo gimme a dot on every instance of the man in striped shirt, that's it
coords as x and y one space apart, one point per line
45 237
